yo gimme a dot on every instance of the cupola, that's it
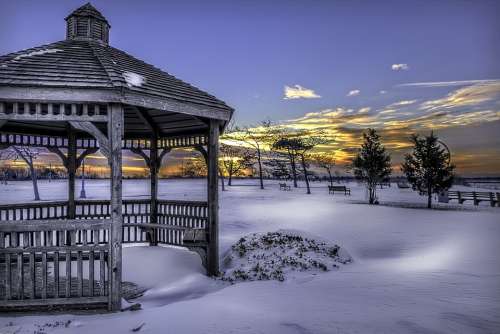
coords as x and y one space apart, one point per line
87 23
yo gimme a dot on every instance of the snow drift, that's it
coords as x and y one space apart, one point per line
280 255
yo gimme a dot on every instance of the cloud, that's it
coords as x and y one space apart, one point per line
387 111
299 92
383 92
354 92
447 83
402 103
467 96
364 110
400 67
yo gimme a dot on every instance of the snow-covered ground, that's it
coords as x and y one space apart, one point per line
414 270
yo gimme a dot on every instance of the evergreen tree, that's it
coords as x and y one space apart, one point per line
372 164
428 167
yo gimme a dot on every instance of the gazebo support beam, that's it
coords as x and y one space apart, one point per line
84 154
79 159
153 161
203 151
153 176
115 133
90 128
213 199
71 168
141 153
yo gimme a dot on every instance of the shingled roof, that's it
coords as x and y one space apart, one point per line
88 62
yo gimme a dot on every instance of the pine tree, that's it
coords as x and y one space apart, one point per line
372 164
428 167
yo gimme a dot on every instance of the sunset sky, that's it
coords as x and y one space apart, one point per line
341 66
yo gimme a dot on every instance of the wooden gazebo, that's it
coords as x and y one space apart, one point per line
75 97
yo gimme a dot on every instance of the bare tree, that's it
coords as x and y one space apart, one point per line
327 162
284 145
194 167
28 155
298 145
278 166
235 160
258 138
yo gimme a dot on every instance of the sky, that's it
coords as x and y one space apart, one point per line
341 66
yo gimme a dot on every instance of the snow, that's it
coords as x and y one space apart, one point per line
414 270
281 255
134 79
36 53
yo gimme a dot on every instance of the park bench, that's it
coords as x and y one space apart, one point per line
333 189
284 186
475 196
403 185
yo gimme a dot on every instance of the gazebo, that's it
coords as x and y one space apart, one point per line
75 97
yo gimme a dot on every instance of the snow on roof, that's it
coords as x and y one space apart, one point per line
134 79
37 53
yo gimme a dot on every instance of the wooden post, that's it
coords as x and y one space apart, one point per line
153 172
71 168
213 199
115 131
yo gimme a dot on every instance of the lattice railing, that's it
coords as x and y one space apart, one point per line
42 263
7 138
173 217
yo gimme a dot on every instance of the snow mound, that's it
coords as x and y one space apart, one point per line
279 255
134 79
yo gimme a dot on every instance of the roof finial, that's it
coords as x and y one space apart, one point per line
87 23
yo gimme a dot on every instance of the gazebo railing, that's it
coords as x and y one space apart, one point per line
182 215
42 263
33 211
173 218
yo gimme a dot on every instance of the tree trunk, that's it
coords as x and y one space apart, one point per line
221 176
429 198
305 174
230 172
34 180
260 169
371 192
330 176
294 171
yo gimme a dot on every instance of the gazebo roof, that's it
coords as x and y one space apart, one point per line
84 68
90 64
